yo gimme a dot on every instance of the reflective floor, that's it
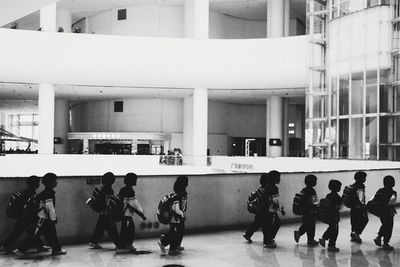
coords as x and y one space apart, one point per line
228 248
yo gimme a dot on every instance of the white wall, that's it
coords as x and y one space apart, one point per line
226 27
166 116
154 20
351 48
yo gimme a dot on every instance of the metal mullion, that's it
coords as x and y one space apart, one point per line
364 135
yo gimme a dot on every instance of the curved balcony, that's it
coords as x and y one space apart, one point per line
104 60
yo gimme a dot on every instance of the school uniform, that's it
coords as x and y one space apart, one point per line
46 224
105 222
309 220
388 199
269 217
177 225
332 232
358 214
22 225
127 194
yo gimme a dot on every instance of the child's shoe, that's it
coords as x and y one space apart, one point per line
270 245
5 250
247 237
174 252
131 248
180 248
162 247
312 243
42 249
355 237
296 236
378 241
19 253
333 249
322 241
123 251
58 252
387 247
94 245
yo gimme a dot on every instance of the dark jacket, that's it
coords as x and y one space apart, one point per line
336 205
311 199
384 195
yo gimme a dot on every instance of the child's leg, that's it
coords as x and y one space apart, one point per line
276 224
130 232
112 231
14 235
124 232
387 228
266 225
99 230
310 227
174 237
181 232
334 231
253 227
50 234
167 238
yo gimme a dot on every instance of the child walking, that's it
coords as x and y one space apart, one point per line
336 205
358 213
387 197
105 222
46 225
310 207
131 206
177 224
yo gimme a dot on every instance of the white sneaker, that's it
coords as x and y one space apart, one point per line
19 253
162 247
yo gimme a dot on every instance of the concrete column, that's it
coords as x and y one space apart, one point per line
61 125
274 125
285 129
2 126
286 19
275 18
48 18
187 149
46 119
200 126
196 18
64 20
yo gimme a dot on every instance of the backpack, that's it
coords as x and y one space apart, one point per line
324 211
376 205
348 196
31 210
254 200
15 205
115 208
97 201
164 210
299 204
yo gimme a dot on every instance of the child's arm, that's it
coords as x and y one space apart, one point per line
392 200
50 210
137 208
177 210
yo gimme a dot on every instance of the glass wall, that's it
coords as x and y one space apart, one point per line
22 125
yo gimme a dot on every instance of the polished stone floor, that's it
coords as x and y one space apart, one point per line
228 248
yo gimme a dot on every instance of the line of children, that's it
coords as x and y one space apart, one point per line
177 224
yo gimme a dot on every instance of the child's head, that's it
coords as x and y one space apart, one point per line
360 177
179 187
49 180
33 182
388 181
108 179
275 176
334 185
310 180
183 179
264 179
130 179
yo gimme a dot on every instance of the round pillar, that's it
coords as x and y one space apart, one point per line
196 18
61 125
187 149
275 124
275 18
64 20
48 18
200 126
46 119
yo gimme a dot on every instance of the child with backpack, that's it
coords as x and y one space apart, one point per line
270 219
309 208
131 206
387 197
336 204
15 210
100 201
358 213
177 222
254 200
46 224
